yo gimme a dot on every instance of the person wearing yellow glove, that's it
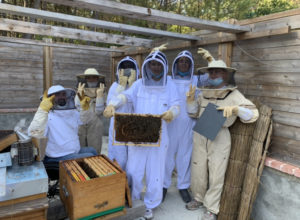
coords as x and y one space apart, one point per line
58 120
127 72
90 101
211 156
152 94
180 130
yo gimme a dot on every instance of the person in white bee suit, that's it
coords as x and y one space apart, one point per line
210 157
91 85
154 94
58 120
181 146
127 72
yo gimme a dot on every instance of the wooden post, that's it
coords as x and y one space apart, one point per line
139 60
113 69
225 52
47 65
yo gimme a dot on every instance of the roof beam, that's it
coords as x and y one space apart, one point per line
35 13
142 13
55 31
59 45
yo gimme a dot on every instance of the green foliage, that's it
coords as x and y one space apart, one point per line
217 10
265 7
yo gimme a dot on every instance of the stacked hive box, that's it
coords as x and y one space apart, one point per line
92 187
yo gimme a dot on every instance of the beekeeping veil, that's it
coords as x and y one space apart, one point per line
176 74
147 74
67 101
217 64
127 63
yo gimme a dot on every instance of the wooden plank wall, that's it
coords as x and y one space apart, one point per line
269 70
21 71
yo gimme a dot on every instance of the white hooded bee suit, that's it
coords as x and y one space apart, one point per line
150 97
180 130
119 153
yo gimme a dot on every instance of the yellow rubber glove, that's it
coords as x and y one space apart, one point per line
132 77
122 79
80 89
100 90
47 102
205 54
190 95
85 102
109 111
167 116
229 110
160 48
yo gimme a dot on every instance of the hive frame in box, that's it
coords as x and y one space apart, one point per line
117 143
97 197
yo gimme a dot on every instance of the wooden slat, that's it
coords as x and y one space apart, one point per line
263 54
55 31
60 45
215 38
142 13
268 78
47 66
275 91
270 17
35 13
277 104
286 131
285 149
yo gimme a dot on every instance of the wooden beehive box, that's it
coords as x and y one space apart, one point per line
137 129
99 196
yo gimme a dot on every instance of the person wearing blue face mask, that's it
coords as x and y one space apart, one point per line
181 146
210 157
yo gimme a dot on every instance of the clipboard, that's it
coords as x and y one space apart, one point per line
210 122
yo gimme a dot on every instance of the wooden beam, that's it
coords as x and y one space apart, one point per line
142 13
60 45
35 13
55 31
216 38
47 65
274 16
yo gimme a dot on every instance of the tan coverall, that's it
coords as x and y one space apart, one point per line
90 133
210 158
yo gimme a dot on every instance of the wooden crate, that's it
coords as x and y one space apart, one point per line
34 209
96 197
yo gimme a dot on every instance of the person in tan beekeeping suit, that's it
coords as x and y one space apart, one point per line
90 85
210 158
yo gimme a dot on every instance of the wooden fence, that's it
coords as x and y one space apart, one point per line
21 70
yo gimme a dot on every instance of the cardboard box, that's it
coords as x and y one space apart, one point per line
96 197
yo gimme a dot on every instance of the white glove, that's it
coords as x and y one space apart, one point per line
100 90
229 111
168 116
190 95
109 111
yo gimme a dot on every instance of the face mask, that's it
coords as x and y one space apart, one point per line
215 82
92 84
182 74
154 76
